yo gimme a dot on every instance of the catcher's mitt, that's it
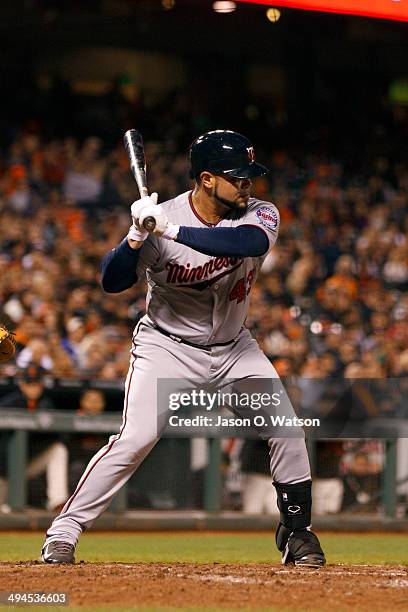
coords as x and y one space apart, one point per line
7 344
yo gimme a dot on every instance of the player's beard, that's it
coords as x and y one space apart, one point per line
231 204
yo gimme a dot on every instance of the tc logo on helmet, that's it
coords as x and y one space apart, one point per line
251 154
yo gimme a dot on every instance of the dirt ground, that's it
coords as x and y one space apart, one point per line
335 588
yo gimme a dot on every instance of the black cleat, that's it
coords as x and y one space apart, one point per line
58 552
303 548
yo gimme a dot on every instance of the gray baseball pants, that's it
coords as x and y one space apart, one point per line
154 356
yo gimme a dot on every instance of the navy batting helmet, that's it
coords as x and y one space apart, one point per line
224 152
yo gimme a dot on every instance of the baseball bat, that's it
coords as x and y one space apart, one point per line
133 142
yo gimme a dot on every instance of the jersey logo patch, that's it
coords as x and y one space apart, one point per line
267 217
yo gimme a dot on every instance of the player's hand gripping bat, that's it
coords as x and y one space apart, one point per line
133 142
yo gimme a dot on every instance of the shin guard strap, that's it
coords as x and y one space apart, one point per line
295 504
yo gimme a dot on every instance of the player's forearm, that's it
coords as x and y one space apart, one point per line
118 268
242 241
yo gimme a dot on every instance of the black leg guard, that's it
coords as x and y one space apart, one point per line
295 505
294 539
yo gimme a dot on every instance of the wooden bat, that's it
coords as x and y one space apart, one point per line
133 142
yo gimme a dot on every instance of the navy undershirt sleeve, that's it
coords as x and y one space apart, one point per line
118 268
241 241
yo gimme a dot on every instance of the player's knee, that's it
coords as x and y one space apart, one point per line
132 452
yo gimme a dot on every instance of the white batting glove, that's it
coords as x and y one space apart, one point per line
163 228
137 207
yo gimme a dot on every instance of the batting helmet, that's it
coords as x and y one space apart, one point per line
224 152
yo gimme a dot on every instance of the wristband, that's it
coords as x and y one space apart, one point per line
171 231
136 234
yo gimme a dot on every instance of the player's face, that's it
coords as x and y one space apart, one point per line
232 192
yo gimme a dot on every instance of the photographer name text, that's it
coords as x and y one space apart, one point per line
232 421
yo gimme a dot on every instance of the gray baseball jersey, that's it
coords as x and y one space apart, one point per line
201 298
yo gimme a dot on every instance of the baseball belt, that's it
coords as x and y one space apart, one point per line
205 347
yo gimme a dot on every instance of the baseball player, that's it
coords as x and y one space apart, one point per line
200 262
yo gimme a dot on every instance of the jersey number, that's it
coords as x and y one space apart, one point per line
242 287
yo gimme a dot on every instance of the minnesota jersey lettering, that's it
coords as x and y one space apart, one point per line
187 274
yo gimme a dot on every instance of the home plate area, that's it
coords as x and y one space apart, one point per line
216 585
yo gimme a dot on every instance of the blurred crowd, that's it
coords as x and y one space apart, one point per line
332 300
